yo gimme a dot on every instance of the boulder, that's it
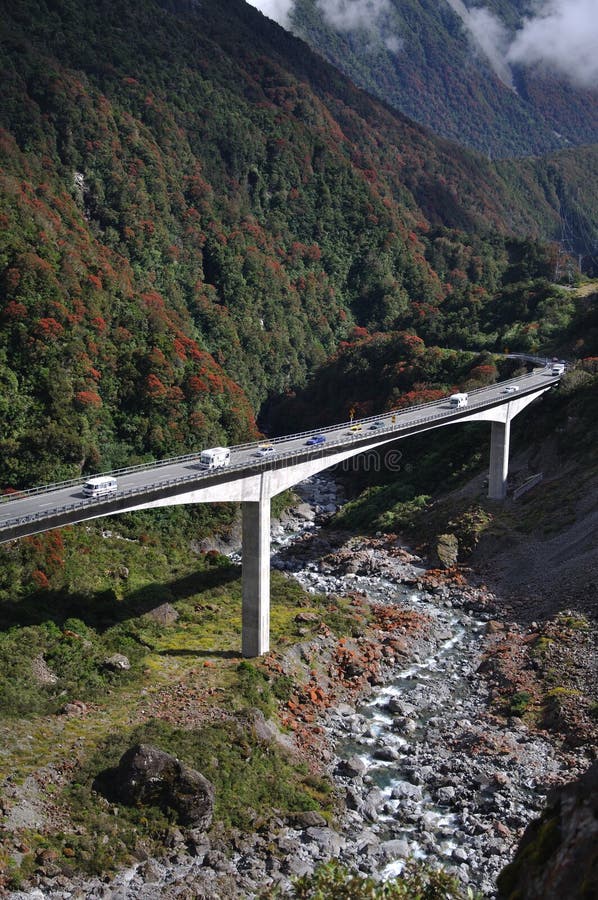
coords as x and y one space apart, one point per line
447 550
557 856
308 819
148 776
118 662
165 614
353 767
41 671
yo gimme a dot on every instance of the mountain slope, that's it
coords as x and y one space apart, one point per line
195 210
443 64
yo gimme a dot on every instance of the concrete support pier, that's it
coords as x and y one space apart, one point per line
256 577
499 460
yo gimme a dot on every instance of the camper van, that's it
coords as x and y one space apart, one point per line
215 458
458 400
100 486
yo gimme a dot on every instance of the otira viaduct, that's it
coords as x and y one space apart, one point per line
252 478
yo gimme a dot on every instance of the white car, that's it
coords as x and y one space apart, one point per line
512 389
267 450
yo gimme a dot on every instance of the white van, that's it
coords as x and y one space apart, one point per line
100 486
215 458
458 400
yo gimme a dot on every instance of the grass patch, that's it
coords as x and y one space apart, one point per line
383 508
252 781
200 651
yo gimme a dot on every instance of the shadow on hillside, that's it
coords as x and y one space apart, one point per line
208 654
104 609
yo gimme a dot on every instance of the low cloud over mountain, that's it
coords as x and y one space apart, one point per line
560 35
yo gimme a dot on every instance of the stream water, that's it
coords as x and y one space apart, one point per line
431 774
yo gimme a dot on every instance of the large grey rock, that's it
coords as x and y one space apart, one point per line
41 671
395 849
447 550
353 767
147 775
406 790
557 856
165 614
118 662
308 819
329 841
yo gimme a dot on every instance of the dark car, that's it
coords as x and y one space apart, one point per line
376 425
316 439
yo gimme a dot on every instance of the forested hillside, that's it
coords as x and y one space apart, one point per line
444 64
196 210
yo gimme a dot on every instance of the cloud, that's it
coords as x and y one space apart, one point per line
491 37
560 35
563 36
279 10
393 43
344 15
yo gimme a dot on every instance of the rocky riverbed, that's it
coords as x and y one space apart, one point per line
400 716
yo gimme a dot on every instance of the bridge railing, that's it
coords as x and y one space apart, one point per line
87 503
402 411
265 463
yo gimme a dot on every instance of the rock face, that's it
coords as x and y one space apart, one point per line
148 775
558 853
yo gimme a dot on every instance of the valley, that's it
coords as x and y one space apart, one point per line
211 237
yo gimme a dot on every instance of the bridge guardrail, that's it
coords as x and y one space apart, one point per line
391 429
236 448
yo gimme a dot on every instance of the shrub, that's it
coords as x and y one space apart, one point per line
332 881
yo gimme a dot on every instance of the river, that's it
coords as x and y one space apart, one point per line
422 767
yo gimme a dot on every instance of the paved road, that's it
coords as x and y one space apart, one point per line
43 502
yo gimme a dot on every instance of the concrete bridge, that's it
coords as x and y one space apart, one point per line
253 480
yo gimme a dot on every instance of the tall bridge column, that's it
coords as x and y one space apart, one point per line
499 460
255 638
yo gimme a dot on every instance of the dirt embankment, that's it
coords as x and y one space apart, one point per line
539 557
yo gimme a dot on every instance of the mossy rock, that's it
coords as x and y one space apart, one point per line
447 550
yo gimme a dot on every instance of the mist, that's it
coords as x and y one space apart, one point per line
562 36
345 15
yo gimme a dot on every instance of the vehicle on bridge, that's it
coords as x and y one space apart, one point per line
215 458
100 486
511 389
376 425
265 450
558 368
458 400
315 439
